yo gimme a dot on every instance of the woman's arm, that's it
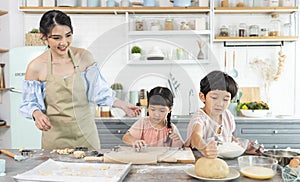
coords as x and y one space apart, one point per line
129 109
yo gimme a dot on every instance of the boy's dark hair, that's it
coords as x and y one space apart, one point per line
161 96
218 80
52 18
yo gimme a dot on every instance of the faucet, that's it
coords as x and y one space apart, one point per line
191 94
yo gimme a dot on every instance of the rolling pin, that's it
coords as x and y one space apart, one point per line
12 155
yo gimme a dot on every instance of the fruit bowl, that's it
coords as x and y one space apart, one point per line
255 113
257 167
230 150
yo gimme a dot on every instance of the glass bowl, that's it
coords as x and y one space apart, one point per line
230 150
257 167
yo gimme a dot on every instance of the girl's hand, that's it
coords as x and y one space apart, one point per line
252 150
42 122
176 138
210 150
139 145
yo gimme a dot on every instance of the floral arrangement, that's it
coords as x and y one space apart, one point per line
269 70
257 105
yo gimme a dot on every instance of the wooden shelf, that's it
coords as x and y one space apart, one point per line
2 12
255 10
116 10
3 50
170 32
256 39
5 126
168 62
5 89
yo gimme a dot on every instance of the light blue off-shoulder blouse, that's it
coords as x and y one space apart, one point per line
97 91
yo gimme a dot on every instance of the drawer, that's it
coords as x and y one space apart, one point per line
290 131
281 146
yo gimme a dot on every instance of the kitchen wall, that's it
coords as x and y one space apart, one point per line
89 29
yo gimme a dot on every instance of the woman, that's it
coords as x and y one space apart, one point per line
59 85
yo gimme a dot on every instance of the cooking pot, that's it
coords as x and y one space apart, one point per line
283 156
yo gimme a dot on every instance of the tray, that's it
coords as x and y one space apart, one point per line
51 170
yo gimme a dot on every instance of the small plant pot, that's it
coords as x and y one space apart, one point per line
135 56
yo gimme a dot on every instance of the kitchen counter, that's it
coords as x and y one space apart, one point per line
159 172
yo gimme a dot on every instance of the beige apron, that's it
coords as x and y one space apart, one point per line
68 110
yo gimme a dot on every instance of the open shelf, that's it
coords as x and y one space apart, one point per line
3 50
2 12
168 62
115 10
258 10
256 39
5 126
171 32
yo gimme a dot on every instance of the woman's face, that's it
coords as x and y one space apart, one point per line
60 39
158 113
216 101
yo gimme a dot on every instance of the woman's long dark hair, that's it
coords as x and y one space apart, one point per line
164 97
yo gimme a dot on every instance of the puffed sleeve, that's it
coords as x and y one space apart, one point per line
33 98
98 90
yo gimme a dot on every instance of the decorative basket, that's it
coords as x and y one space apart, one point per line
33 39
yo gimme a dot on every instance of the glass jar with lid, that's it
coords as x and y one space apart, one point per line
242 30
273 3
275 25
139 24
169 23
253 30
264 32
224 31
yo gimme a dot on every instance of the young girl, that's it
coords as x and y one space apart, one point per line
155 129
213 123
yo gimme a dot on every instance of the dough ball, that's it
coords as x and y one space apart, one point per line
211 168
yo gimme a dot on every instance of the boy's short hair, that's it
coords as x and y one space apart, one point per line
218 80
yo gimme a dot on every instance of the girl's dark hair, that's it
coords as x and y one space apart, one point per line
161 96
218 80
52 18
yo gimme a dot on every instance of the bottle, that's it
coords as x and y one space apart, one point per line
143 97
275 25
242 30
2 80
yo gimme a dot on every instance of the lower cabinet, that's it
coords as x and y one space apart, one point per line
272 133
111 131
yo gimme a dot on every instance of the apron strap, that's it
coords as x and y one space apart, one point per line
73 59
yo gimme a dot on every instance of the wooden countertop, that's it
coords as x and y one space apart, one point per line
157 172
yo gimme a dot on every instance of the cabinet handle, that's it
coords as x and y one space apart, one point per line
275 146
275 131
119 131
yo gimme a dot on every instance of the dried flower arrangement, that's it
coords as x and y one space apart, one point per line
269 70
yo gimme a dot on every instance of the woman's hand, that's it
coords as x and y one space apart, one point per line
42 122
130 109
210 150
139 145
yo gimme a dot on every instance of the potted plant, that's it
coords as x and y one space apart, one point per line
33 38
118 88
136 53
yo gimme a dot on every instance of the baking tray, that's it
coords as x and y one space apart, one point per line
51 170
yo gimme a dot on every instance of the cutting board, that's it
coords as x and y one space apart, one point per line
151 155
250 94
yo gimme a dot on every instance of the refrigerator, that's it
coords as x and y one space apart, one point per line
24 133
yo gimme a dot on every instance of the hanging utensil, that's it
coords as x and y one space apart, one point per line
225 62
234 72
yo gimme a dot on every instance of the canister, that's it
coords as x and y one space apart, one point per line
93 3
169 23
48 3
274 3
105 111
33 3
253 30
